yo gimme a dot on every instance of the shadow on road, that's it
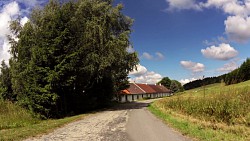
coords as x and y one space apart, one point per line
132 105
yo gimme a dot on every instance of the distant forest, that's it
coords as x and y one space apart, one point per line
238 75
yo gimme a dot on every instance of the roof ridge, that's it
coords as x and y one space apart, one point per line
139 87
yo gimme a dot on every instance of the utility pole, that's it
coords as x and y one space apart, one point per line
203 84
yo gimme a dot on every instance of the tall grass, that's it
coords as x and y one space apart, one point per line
223 111
231 106
12 116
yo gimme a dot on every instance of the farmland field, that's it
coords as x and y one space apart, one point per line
218 112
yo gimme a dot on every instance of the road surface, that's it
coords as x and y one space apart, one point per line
127 122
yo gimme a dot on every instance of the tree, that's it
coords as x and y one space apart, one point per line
165 82
71 57
5 83
176 86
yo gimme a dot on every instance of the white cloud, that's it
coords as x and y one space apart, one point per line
142 75
9 12
237 24
222 52
148 77
140 70
228 67
11 9
146 55
24 20
159 55
182 4
194 67
238 28
185 81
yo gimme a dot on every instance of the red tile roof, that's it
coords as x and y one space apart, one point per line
160 88
147 88
135 88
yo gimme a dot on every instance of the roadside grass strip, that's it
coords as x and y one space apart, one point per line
33 129
195 129
211 113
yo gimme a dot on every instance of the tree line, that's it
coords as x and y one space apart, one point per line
69 58
238 75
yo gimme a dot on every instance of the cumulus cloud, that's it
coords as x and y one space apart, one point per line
238 28
9 12
194 67
149 77
142 75
237 24
228 67
182 4
222 52
139 70
231 7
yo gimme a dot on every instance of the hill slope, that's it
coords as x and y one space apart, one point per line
214 107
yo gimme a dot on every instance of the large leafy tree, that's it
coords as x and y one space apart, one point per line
165 81
176 86
71 57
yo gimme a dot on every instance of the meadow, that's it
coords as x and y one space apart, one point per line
17 123
213 112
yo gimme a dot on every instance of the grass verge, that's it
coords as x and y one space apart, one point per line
194 129
32 130
17 123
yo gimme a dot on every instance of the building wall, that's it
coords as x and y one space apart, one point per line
134 97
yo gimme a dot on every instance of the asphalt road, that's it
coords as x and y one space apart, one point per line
126 122
144 126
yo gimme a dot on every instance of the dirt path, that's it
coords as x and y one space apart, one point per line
128 122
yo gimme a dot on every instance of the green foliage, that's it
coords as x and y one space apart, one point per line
71 57
239 75
176 86
13 116
173 85
165 81
6 92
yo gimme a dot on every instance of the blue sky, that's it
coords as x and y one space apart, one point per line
180 30
180 39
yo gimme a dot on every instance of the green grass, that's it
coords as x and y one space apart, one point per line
222 111
13 116
194 130
17 123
